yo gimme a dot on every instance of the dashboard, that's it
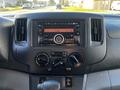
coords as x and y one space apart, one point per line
72 48
57 44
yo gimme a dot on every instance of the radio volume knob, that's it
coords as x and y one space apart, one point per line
59 39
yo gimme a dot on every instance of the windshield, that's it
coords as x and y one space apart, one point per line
12 7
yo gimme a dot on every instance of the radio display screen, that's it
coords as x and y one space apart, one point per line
57 30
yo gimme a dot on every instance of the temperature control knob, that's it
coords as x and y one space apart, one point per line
42 59
75 60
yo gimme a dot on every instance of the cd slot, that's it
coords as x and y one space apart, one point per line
50 41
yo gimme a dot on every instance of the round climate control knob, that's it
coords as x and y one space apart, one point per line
59 39
75 60
42 59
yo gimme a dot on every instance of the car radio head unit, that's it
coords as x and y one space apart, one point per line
57 33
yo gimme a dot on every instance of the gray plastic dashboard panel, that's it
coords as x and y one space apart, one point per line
113 26
98 81
5 31
104 80
115 79
13 80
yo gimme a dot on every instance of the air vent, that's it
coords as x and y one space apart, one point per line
96 30
21 29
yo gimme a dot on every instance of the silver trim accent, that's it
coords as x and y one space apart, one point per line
84 82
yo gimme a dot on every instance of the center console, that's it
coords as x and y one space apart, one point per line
58 42
52 45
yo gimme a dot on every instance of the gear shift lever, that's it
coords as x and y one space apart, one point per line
49 85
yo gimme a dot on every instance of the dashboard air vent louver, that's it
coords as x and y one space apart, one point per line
96 30
21 29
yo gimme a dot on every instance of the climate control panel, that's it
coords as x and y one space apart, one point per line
57 59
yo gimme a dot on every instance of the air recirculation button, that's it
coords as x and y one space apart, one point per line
42 59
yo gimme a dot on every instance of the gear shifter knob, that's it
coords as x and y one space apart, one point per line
49 85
